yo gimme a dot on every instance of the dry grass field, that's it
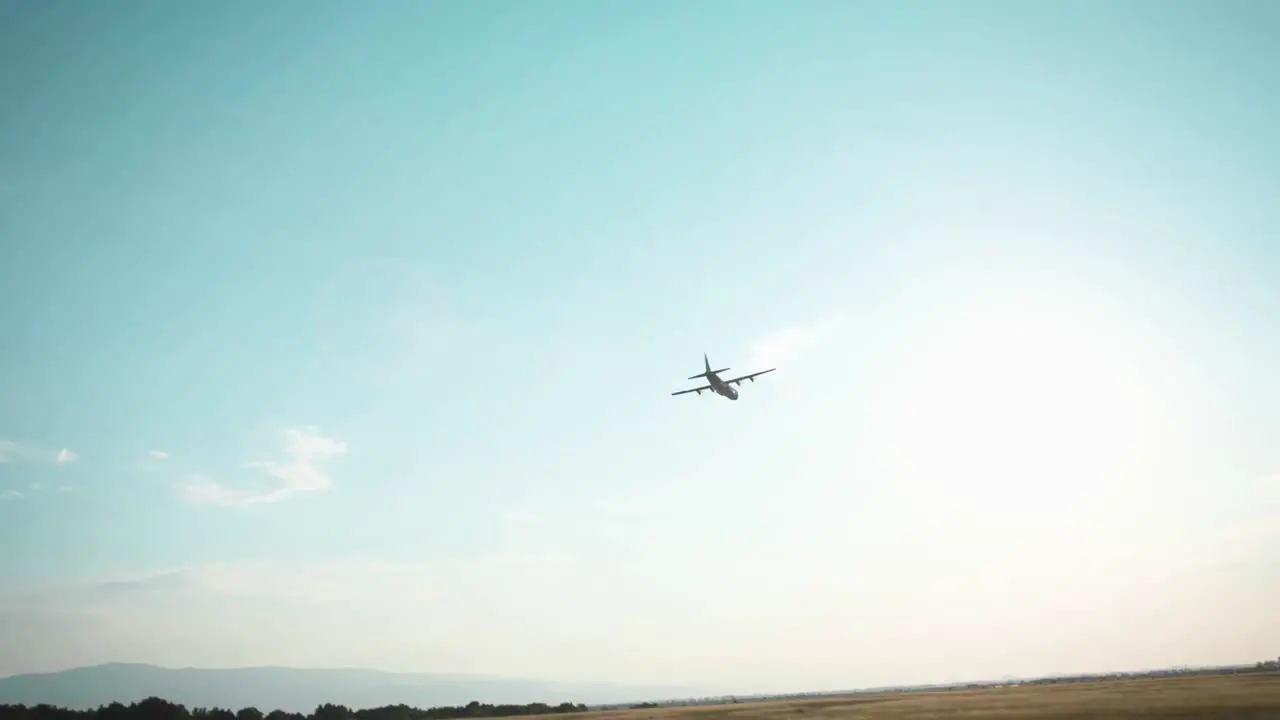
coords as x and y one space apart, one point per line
1226 697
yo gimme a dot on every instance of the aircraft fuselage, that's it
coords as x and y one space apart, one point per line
719 387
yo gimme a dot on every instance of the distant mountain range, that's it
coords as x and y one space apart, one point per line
301 690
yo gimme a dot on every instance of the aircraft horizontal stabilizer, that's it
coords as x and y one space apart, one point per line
705 374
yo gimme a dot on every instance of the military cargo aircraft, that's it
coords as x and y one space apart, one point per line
718 386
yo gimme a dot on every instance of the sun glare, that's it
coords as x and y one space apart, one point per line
1027 410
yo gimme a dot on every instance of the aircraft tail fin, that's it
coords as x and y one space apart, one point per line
707 364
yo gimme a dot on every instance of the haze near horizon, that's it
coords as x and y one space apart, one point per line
343 335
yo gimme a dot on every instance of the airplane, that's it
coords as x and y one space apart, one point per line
718 386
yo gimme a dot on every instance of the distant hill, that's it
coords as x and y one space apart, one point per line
301 690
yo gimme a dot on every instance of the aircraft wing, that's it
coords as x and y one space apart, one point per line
752 377
697 390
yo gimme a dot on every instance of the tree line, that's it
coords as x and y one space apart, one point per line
154 708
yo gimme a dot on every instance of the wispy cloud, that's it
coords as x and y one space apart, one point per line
1271 495
626 508
789 344
340 610
32 490
13 451
1248 534
303 470
334 580
202 490
520 516
157 462
588 616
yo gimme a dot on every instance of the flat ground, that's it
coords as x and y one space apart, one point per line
1225 697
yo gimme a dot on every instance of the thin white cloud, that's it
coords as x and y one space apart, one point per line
1250 534
520 516
304 470
1271 494
13 451
626 508
199 489
341 612
158 454
336 581
594 617
788 344
32 490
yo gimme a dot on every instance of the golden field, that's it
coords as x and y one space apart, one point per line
1223 697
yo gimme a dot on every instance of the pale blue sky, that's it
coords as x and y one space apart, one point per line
437 267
